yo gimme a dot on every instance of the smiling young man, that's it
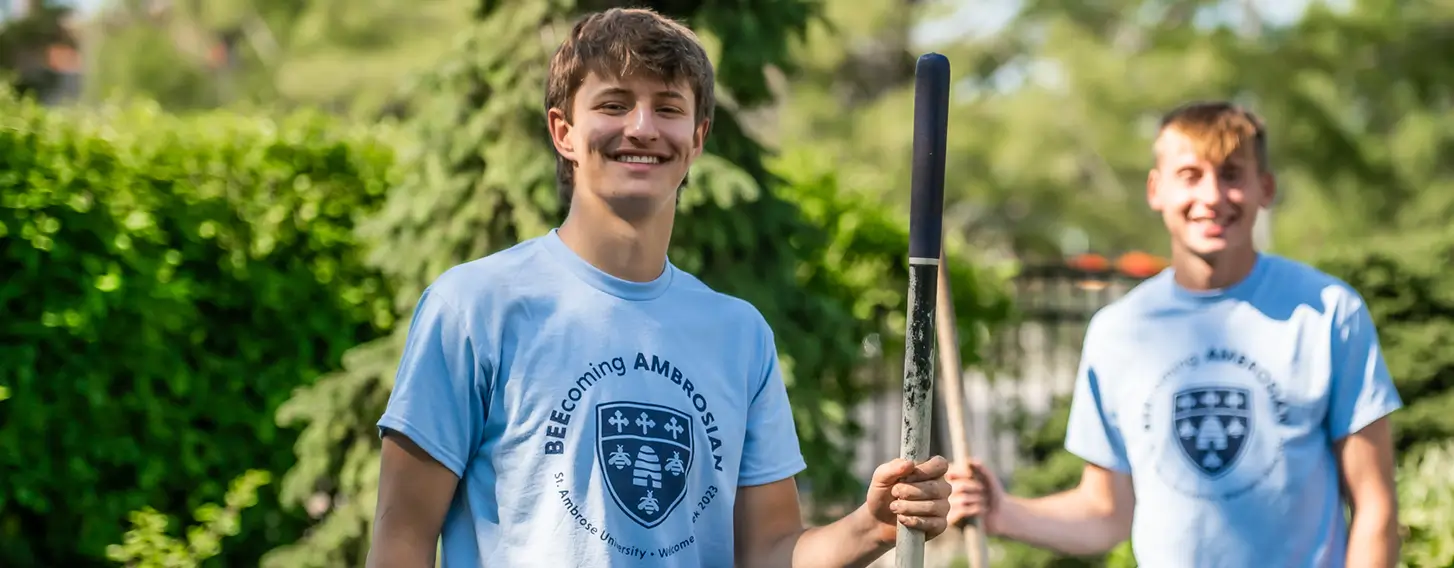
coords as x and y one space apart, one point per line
1229 408
577 400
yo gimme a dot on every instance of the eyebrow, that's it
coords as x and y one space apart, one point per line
618 91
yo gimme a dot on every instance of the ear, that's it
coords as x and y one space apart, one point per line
699 137
560 129
1269 189
1153 196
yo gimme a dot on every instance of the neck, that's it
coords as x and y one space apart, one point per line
1197 272
630 249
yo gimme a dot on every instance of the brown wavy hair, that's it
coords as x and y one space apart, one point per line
617 43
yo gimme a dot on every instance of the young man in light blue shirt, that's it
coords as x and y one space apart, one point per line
1227 409
577 400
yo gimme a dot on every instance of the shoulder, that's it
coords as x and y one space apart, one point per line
737 320
720 306
502 275
1126 313
1303 277
1299 283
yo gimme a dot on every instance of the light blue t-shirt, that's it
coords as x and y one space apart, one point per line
592 421
1224 407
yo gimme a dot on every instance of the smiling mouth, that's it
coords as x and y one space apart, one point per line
637 159
1221 221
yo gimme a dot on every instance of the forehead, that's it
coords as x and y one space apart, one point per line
596 85
1175 149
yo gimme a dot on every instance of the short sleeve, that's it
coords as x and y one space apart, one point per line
1091 433
1361 389
435 401
770 451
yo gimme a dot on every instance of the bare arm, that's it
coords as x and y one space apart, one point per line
1366 465
770 532
1090 519
414 494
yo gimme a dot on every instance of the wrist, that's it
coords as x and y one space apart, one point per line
1002 520
871 531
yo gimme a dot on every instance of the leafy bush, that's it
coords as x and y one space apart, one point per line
147 544
1426 507
168 282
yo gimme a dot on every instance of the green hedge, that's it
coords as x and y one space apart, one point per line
167 283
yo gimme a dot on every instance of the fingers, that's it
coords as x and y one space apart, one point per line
930 516
935 468
912 508
971 492
931 526
892 472
922 490
971 471
921 496
965 506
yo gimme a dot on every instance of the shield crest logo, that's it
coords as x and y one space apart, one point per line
645 451
1212 425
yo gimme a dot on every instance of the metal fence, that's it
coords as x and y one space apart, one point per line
1028 363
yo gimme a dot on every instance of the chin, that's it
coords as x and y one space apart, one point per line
1211 248
1201 246
637 201
653 187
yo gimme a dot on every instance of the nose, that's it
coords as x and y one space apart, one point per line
1212 190
641 124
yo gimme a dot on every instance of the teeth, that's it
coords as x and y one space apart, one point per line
639 159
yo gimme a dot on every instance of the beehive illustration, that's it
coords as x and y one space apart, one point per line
647 470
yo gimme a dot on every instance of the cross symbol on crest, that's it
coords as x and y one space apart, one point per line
645 423
618 421
674 428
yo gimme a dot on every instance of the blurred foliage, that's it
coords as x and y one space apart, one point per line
155 267
344 56
147 544
1055 106
1426 507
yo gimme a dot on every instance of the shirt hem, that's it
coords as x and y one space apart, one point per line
1367 418
1100 461
431 447
773 476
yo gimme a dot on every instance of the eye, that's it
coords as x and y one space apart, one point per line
612 107
669 110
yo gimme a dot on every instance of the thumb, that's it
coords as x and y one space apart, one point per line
986 475
890 473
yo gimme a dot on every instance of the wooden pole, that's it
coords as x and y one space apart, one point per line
952 390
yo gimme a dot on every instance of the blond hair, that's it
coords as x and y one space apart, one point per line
1218 129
